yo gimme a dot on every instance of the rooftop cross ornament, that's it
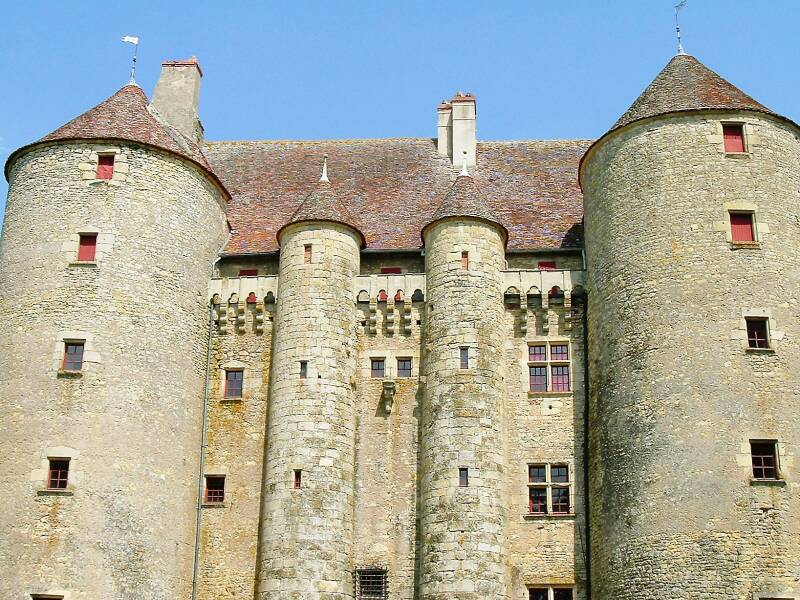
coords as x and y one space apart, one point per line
132 39
678 7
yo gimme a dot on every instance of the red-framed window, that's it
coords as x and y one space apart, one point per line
215 489
234 382
463 358
307 253
377 367
549 367
57 473
742 229
297 479
538 379
733 134
757 332
765 459
391 270
549 489
465 260
560 378
73 356
105 166
404 367
537 353
248 272
547 265
87 247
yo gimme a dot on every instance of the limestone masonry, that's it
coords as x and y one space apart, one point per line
418 369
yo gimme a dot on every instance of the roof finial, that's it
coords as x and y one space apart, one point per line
324 177
464 171
678 7
132 39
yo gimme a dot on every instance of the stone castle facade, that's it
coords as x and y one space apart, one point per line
417 369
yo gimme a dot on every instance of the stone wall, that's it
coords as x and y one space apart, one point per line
130 421
675 394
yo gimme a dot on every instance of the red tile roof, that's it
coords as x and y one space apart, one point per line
392 188
465 199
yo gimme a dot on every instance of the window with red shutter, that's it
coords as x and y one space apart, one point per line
547 265
391 270
465 260
87 247
733 134
105 166
248 272
742 229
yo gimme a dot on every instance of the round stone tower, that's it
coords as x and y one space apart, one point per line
691 217
306 536
111 228
462 507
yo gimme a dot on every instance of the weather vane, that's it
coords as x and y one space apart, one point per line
678 7
132 39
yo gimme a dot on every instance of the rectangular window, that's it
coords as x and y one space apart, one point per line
562 594
537 353
371 584
87 247
303 369
105 166
391 270
248 272
215 489
733 134
757 332
297 482
538 377
307 253
742 229
465 260
378 367
463 477
559 352
404 367
57 473
549 489
537 594
46 597
549 366
547 265
464 358
560 378
73 356
765 459
234 381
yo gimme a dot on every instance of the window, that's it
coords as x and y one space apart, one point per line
464 358
307 253
547 265
463 477
105 166
371 584
57 473
549 489
733 134
391 270
46 597
73 356
248 272
757 332
549 593
764 455
742 229
297 482
377 367
303 369
215 489
549 367
87 247
465 260
234 380
404 367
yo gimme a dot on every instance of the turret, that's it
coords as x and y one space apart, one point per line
693 267
306 538
104 354
461 503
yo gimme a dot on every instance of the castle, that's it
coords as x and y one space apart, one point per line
418 368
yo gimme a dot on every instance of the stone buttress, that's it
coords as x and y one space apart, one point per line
461 503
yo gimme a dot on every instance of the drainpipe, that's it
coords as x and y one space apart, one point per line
586 497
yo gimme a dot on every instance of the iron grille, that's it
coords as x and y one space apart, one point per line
371 584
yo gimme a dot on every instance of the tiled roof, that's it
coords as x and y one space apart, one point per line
687 84
465 199
392 188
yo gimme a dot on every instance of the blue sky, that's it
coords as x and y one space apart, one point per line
373 68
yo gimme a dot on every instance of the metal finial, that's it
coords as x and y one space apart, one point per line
324 177
678 7
132 39
464 166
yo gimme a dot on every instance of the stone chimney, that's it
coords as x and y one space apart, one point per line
444 142
464 115
177 96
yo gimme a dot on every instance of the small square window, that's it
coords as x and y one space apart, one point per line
73 356
464 358
463 477
742 229
391 270
733 134
559 352
537 473
87 247
297 481
757 332
105 166
57 473
562 594
764 455
560 500
234 380
547 265
378 367
215 489
303 369
465 260
404 367
371 584
537 594
537 353
248 272
559 473
307 253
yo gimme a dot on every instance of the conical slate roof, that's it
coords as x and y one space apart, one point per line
687 84
465 199
323 204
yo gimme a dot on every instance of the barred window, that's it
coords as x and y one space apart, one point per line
371 584
215 489
764 455
57 473
757 332
549 489
549 367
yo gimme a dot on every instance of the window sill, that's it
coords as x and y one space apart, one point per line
532 394
215 504
69 374
548 516
83 263
231 400
47 492
759 350
738 155
745 245
768 482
